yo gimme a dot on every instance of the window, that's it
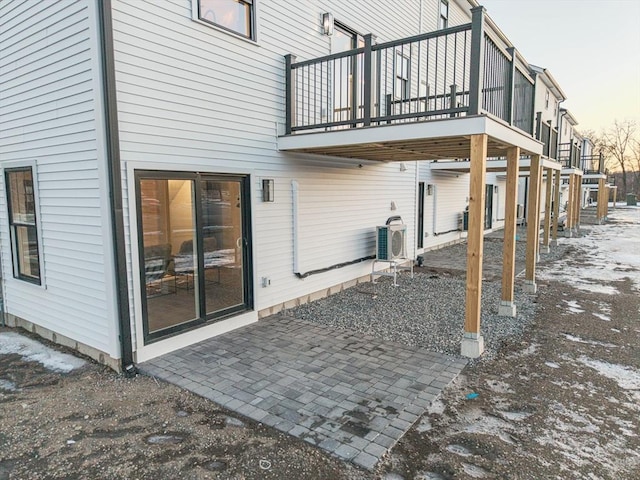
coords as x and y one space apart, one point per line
402 77
443 18
234 15
21 205
546 100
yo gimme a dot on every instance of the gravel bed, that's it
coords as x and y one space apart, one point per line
426 311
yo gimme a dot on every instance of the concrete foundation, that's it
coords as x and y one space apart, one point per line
94 353
472 345
529 287
507 309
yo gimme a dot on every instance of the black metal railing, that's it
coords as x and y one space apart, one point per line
569 155
447 73
548 136
592 164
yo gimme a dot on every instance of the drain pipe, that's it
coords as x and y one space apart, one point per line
115 185
294 221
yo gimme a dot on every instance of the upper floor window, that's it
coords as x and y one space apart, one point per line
443 18
22 223
546 100
237 16
402 76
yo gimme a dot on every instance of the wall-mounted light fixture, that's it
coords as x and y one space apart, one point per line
403 167
267 189
327 23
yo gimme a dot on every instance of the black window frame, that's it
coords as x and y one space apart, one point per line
203 317
13 224
252 20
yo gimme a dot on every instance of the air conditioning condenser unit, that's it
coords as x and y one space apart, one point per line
391 242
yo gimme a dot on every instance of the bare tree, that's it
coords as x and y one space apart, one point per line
617 145
635 164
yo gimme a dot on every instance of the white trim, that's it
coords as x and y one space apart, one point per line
33 164
145 352
441 128
253 41
198 334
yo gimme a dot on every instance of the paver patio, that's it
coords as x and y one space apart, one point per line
351 394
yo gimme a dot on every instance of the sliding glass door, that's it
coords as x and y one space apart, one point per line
194 249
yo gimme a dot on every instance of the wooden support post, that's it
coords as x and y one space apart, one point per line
533 225
615 197
472 342
538 215
547 211
606 203
578 199
600 207
507 306
556 206
568 224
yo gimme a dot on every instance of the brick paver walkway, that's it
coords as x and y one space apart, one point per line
348 393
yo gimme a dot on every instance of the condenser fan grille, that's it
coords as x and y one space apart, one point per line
397 243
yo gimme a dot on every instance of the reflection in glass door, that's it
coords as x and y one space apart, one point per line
343 74
222 244
194 249
167 222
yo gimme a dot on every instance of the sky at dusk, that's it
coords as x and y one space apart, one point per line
591 47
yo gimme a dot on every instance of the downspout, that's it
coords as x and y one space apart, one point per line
294 223
115 185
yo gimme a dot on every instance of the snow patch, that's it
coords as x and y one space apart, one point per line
7 385
609 253
589 342
436 407
552 364
626 377
33 351
602 317
573 306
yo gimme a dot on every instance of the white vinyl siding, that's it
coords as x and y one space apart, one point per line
197 99
48 117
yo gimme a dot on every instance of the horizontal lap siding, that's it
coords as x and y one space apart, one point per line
450 197
47 115
192 97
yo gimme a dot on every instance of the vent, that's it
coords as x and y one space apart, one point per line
391 242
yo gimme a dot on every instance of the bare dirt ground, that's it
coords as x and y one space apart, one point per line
561 402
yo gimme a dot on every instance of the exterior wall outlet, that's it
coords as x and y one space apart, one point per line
266 282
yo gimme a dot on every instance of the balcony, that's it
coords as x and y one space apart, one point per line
548 136
417 98
569 155
592 168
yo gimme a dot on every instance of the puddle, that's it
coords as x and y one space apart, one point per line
216 465
8 385
167 439
474 470
459 450
515 416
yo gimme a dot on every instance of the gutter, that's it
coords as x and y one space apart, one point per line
115 184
